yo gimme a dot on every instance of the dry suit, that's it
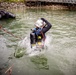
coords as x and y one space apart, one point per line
39 33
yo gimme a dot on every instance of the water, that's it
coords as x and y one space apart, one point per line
58 59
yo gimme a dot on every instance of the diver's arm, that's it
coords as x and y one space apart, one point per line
47 27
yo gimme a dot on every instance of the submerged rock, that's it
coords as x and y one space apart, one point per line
19 53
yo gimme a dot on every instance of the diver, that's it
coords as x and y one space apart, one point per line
38 33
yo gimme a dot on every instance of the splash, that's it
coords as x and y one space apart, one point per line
25 43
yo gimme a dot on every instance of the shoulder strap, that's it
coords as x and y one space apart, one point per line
43 36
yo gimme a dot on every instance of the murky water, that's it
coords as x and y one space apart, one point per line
58 59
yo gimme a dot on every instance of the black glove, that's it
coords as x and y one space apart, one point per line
43 19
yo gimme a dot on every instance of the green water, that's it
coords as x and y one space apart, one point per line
59 59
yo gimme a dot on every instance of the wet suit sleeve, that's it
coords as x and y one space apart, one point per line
47 27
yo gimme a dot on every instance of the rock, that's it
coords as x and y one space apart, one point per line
5 15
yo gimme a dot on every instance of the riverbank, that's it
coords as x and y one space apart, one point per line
7 5
10 5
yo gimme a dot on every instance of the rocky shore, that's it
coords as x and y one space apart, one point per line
9 5
6 5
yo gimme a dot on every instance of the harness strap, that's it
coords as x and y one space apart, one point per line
39 31
43 36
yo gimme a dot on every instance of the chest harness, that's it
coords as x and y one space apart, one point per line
40 35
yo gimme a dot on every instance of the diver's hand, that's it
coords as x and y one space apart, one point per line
43 19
